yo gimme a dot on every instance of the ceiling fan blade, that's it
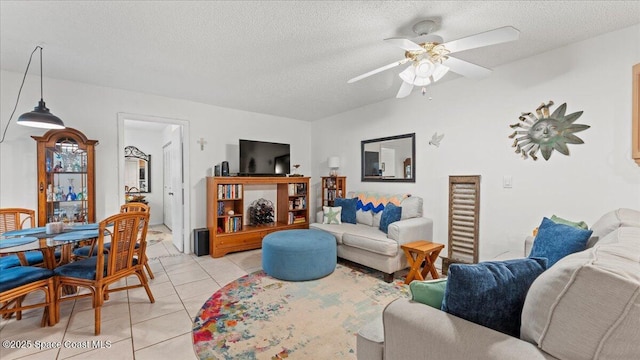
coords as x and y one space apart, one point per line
491 37
404 44
381 69
405 90
466 68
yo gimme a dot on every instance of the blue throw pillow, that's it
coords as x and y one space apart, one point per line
348 209
391 213
491 293
555 241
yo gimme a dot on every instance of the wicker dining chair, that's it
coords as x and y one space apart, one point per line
18 282
98 273
138 206
16 219
84 251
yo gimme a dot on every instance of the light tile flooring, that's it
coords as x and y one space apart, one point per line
133 328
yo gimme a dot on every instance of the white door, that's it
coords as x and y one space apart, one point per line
176 198
388 160
166 186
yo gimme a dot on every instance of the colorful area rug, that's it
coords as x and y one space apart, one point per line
259 317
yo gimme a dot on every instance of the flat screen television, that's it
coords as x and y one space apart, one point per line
260 158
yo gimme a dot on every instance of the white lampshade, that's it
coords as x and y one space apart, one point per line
439 72
334 162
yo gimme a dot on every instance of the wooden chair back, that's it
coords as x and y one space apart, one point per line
134 206
15 219
138 206
125 230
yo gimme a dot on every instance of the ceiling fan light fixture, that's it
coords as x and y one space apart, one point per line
420 81
424 68
408 74
439 71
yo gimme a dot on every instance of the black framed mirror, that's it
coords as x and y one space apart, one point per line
389 159
137 170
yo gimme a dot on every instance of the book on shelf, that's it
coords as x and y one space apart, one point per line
298 203
232 224
295 219
297 189
230 191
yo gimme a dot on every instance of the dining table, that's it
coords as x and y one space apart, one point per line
37 238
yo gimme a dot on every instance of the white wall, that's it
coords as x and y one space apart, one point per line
150 142
93 110
593 76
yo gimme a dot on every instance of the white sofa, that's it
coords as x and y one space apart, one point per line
364 243
586 306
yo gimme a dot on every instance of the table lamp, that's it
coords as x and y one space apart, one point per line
334 164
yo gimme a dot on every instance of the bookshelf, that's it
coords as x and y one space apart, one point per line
333 187
228 211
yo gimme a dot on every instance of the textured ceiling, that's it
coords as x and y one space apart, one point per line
284 58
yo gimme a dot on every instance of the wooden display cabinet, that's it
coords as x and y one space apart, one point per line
333 187
228 220
66 174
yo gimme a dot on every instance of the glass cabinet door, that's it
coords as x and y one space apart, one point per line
66 172
65 177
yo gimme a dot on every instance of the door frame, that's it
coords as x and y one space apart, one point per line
186 205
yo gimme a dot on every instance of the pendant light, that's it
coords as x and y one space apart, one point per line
40 117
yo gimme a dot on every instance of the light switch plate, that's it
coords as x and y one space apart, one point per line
507 181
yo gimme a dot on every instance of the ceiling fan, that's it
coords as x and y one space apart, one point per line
429 59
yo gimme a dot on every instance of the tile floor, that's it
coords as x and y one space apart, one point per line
133 328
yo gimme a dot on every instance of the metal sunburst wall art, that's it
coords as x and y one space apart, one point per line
546 132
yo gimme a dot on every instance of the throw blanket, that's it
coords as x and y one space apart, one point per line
376 201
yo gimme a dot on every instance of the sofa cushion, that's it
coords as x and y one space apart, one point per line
364 217
579 224
348 214
555 241
626 235
376 220
587 306
491 293
615 219
390 214
370 239
332 215
428 292
411 207
336 230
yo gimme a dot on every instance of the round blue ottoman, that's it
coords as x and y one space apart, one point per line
298 255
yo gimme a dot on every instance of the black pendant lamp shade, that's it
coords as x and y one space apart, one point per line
40 117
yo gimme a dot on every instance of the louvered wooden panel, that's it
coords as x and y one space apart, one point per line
464 210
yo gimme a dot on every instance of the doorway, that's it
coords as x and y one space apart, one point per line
170 193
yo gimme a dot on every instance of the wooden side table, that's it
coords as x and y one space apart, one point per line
417 252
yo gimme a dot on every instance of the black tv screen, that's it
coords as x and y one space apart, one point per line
263 158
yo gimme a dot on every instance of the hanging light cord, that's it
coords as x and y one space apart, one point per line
4 133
